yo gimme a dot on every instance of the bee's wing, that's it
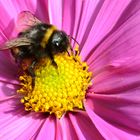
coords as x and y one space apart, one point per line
21 41
25 20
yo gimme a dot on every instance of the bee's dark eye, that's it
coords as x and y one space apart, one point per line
57 43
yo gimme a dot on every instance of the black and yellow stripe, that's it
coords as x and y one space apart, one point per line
47 36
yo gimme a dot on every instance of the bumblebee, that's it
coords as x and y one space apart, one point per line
37 41
41 40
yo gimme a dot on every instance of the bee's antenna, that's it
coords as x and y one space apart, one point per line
74 39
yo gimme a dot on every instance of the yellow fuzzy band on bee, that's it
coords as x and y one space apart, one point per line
47 36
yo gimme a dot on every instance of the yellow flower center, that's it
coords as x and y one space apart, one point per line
56 90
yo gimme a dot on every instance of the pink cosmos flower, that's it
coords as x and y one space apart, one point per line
109 37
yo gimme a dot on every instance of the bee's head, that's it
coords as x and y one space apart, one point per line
59 42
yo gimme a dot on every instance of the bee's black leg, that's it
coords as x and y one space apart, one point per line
53 62
31 71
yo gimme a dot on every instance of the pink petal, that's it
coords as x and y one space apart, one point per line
68 131
8 107
59 133
10 17
7 67
22 128
105 16
116 80
113 67
122 36
8 76
67 16
55 13
86 15
15 122
108 130
72 11
123 109
31 130
19 125
126 38
84 127
41 8
119 107
7 90
47 129
7 30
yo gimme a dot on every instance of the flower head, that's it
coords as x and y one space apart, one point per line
56 90
109 43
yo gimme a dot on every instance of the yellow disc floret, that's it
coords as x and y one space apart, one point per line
56 90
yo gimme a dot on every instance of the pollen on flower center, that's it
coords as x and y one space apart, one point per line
56 90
